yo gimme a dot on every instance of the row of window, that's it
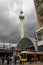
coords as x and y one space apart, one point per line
41 13
40 10
41 22
40 36
40 48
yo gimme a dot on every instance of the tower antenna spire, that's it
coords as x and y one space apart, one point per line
21 5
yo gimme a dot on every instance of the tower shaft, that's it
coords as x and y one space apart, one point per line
22 29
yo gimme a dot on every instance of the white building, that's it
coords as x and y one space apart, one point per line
39 38
7 45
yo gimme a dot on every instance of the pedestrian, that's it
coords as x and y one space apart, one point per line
15 59
3 60
33 59
12 60
8 59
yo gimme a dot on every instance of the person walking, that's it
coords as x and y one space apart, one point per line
3 60
15 59
12 60
8 59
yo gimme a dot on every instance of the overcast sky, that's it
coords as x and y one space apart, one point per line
10 23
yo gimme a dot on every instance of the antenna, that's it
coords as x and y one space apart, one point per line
21 5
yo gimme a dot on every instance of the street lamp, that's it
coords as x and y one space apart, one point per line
36 43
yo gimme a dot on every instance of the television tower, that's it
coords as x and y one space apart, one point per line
21 17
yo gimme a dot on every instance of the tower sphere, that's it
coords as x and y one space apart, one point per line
21 17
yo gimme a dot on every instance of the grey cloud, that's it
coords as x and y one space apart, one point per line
8 31
31 23
11 32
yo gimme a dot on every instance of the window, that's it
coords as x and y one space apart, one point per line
41 0
42 22
23 55
37 2
42 35
39 37
41 12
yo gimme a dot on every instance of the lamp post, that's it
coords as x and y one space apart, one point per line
36 43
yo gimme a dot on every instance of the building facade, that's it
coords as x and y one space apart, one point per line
39 32
39 11
39 38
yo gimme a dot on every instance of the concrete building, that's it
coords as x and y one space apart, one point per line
7 45
39 38
39 11
39 32
7 48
